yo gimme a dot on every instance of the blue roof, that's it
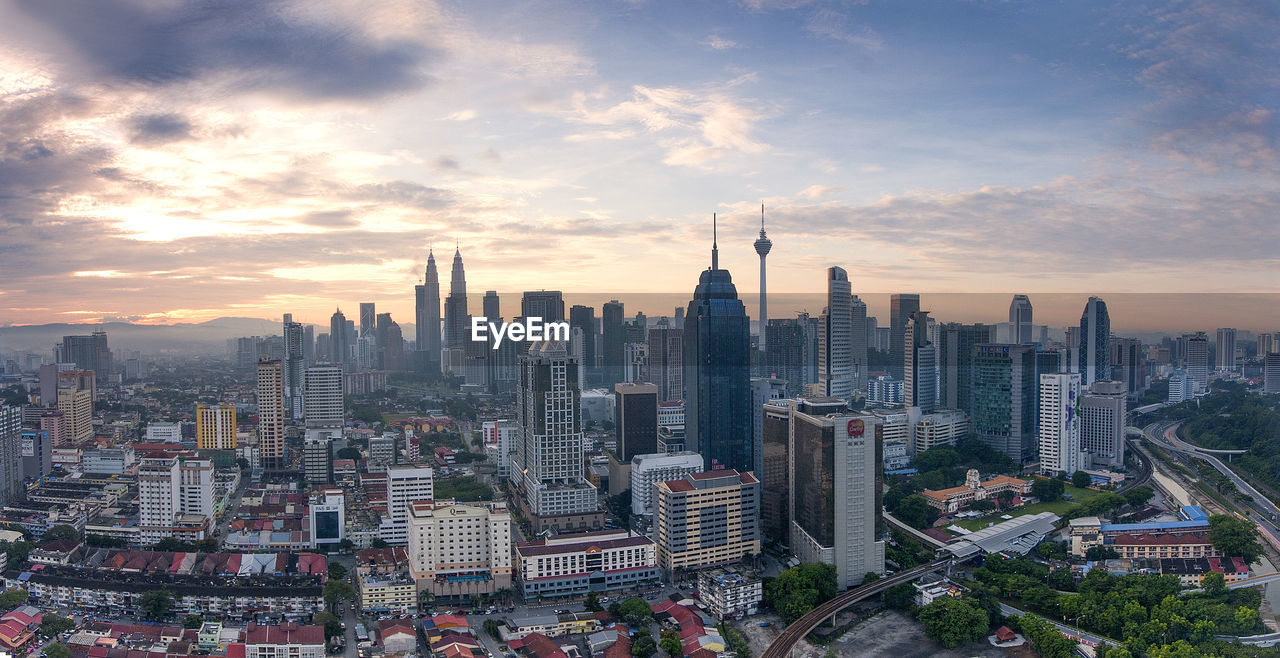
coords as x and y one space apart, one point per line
902 471
1160 525
1192 513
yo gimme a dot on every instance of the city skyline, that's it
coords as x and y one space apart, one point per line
164 171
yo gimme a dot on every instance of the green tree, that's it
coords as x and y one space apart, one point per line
1138 495
1081 480
52 625
1118 652
349 452
192 621
57 650
492 627
1095 553
12 598
60 532
242 463
871 577
642 645
952 622
635 612
1005 498
915 511
592 604
797 590
671 644
157 603
378 542
1047 489
1234 536
1214 584
332 625
337 591
337 571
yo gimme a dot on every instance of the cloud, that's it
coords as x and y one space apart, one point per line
832 24
818 191
330 219
249 44
461 115
1214 70
693 127
153 129
717 42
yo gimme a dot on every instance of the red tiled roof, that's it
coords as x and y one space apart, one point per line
284 634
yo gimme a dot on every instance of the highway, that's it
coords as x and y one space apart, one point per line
786 640
1165 435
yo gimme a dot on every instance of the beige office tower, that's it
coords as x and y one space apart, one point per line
216 426
271 413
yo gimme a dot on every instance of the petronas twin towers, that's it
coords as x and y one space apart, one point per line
427 297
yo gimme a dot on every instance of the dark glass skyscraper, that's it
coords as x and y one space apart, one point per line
584 319
614 342
1095 343
717 372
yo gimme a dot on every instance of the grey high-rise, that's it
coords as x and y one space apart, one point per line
583 318
614 341
1020 320
88 353
920 369
294 366
545 304
717 371
339 348
456 317
957 344
1198 360
785 357
368 318
858 341
1095 342
901 306
666 360
428 317
835 349
1225 349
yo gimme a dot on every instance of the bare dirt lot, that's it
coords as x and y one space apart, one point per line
887 633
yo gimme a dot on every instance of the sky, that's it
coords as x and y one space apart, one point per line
170 161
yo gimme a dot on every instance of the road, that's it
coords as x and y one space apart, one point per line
1260 508
787 639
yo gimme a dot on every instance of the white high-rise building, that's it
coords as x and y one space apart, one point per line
942 427
920 365
1060 403
1181 387
1271 373
1102 424
459 550
549 453
836 373
405 486
499 442
195 493
158 432
648 470
159 483
322 400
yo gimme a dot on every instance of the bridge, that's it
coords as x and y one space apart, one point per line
786 640
929 541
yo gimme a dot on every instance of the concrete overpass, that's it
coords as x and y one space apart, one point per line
929 541
783 644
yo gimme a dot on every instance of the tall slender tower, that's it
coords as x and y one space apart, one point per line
763 245
1095 343
835 343
428 317
455 307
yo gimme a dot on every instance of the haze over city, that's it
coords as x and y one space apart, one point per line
168 162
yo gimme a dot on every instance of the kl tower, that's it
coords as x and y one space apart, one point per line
763 245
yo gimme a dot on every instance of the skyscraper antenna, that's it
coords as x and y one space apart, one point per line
761 218
715 250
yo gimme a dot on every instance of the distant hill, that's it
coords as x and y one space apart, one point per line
202 337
